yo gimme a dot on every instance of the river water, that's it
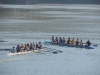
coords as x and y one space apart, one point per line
20 24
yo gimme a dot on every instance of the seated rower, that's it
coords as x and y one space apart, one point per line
53 40
31 46
18 48
13 50
72 42
22 48
81 43
63 40
88 43
37 46
77 42
56 40
68 41
60 40
27 47
40 45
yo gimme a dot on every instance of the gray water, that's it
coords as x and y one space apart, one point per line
20 24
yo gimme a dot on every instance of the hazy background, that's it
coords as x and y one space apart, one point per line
50 1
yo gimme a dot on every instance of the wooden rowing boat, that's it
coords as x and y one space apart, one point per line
27 52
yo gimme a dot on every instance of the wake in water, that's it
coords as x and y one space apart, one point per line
10 60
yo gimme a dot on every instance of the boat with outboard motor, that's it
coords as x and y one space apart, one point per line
69 45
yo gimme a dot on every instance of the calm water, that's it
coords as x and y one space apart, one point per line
20 24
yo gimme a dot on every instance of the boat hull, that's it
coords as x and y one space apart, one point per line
26 52
69 45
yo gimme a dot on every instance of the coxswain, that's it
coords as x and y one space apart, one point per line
88 43
13 50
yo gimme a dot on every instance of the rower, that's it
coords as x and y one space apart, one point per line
25 47
72 42
13 50
77 42
22 47
68 41
40 45
53 40
37 46
81 42
88 43
31 46
56 39
60 40
63 40
18 48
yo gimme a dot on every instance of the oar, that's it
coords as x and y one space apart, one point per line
5 49
93 44
2 41
53 50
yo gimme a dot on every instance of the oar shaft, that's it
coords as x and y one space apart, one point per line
5 49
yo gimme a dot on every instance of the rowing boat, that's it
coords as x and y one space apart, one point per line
68 45
27 52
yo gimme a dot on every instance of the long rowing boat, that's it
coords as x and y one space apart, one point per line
27 52
68 45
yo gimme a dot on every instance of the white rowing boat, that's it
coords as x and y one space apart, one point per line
27 52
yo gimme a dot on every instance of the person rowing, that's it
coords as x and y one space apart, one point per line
60 40
31 46
77 42
68 41
22 48
88 43
18 48
63 40
37 46
72 42
40 45
53 40
27 47
81 43
56 40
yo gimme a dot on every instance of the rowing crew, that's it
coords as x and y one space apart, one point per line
27 47
69 41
